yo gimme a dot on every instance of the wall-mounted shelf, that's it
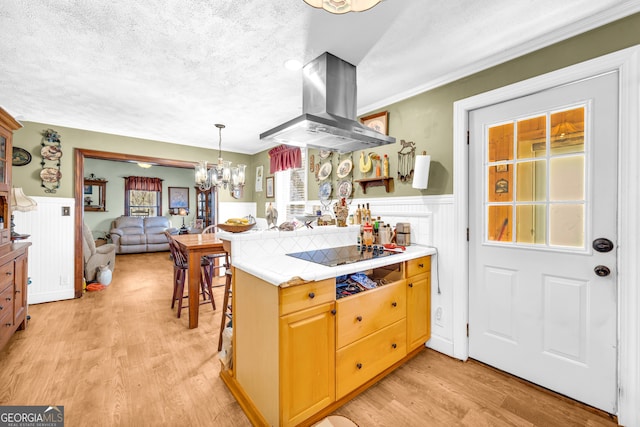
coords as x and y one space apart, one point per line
375 182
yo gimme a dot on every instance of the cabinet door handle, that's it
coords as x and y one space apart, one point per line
394 304
359 365
421 265
8 273
17 291
312 295
333 311
359 318
8 298
1 307
411 285
7 324
394 345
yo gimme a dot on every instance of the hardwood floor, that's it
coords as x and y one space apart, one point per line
120 357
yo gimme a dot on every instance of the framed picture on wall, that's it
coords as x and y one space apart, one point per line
178 197
259 172
269 186
378 122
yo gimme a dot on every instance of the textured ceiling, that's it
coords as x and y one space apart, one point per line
168 70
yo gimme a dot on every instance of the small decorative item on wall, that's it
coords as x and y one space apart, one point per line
378 122
51 153
21 157
259 174
178 197
406 160
270 189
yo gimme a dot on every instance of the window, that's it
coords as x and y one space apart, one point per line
142 196
291 191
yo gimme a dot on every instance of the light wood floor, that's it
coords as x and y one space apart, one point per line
120 357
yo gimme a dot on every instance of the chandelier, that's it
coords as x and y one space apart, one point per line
221 174
343 6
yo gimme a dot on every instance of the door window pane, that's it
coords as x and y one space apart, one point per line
531 226
567 131
500 183
500 143
499 223
567 178
566 225
532 181
532 137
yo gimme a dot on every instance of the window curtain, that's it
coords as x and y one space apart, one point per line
141 183
284 157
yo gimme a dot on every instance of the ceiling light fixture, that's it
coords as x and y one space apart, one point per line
221 174
343 6
144 165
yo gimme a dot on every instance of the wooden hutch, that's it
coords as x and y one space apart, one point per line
13 255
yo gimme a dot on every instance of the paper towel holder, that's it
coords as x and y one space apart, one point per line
421 171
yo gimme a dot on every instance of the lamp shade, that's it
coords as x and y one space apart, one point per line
421 171
21 202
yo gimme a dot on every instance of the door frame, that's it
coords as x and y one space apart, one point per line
627 63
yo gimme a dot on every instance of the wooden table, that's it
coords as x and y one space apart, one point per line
195 246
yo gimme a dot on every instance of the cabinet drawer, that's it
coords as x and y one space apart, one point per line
310 294
364 359
5 236
361 314
6 323
6 301
418 266
6 274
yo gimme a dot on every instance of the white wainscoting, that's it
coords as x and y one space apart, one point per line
51 252
432 222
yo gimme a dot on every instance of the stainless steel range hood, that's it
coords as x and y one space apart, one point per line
328 119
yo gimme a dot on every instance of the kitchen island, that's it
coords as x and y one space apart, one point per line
298 351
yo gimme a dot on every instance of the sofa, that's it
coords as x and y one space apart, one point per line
136 234
94 256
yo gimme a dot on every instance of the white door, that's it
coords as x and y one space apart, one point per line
543 188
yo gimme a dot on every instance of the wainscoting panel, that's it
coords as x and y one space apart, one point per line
51 252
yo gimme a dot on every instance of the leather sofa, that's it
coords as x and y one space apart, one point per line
136 234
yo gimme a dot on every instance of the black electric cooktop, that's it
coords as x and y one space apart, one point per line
332 257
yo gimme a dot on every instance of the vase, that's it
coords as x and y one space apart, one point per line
104 275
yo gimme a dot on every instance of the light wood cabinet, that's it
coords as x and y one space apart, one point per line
299 353
307 362
7 126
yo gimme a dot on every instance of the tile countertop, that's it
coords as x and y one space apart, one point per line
281 268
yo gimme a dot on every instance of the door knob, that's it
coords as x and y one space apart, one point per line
603 245
602 270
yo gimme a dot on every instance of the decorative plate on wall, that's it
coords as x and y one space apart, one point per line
325 171
50 175
344 189
344 168
51 152
21 157
324 192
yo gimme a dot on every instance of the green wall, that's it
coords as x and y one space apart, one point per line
426 119
30 137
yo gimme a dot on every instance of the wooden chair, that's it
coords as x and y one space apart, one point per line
180 271
226 300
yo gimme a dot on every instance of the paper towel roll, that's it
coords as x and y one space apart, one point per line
421 171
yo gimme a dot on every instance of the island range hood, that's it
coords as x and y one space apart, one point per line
328 120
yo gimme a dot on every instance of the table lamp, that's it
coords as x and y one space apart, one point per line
22 203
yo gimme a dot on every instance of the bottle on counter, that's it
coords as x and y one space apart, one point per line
358 215
378 172
385 166
367 235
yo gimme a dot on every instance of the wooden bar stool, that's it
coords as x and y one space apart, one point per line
180 271
226 306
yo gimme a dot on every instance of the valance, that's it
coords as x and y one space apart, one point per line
142 183
284 157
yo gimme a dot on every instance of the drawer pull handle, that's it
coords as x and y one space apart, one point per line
17 291
333 311
7 324
312 295
411 285
8 273
359 318
394 304
359 365
8 298
394 345
421 265
1 307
